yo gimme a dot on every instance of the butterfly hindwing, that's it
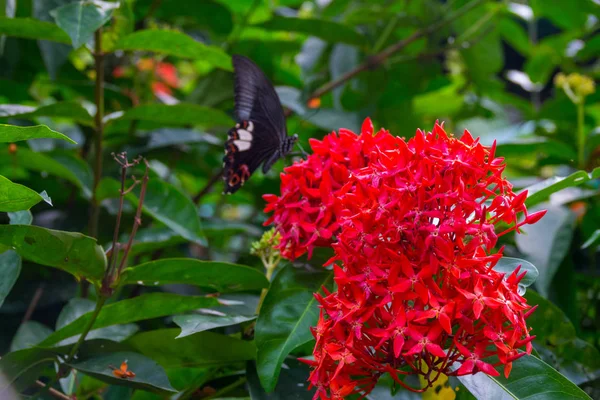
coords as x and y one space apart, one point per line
260 135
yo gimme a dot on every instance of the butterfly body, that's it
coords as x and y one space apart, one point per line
260 135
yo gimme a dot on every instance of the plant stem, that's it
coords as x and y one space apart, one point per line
53 392
99 99
99 304
381 57
581 133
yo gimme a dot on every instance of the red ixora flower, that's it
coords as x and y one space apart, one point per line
413 226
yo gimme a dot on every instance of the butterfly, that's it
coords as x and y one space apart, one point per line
122 372
260 135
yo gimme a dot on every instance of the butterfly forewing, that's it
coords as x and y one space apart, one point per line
260 134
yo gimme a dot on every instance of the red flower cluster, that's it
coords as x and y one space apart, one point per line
412 224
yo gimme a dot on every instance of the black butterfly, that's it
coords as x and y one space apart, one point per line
260 135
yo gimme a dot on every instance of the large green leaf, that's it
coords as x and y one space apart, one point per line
28 335
542 190
67 109
572 17
66 166
531 378
12 133
25 365
223 277
77 307
148 374
82 18
29 28
10 268
327 30
546 243
179 114
191 324
175 44
15 197
557 343
147 306
163 202
286 315
72 252
205 348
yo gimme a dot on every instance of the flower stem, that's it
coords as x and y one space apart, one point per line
99 304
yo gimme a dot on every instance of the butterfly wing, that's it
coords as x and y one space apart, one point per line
261 128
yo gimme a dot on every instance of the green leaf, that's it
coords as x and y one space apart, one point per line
10 268
153 238
593 240
507 265
147 306
572 17
223 277
542 62
191 324
15 197
286 315
67 109
531 378
204 348
77 307
148 374
179 114
163 202
515 35
292 383
82 18
28 335
29 28
327 30
175 44
20 217
12 133
24 365
72 252
542 190
557 343
207 13
546 243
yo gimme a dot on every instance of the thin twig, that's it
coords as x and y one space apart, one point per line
34 302
208 187
377 59
53 392
137 221
99 99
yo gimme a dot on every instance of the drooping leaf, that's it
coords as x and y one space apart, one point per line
147 306
67 109
507 265
285 318
223 277
30 28
542 190
179 114
163 202
327 30
10 268
28 335
15 197
12 133
191 324
204 348
175 44
82 18
148 374
546 243
77 307
530 378
24 365
72 252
